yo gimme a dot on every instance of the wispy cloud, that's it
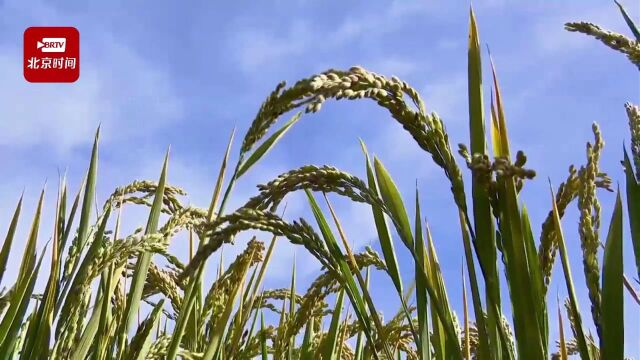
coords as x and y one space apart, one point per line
255 47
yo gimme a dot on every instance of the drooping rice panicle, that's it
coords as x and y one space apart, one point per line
616 41
589 225
633 112
129 297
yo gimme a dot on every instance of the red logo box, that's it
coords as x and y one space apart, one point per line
51 54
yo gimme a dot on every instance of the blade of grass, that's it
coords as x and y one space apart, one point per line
69 221
347 276
29 255
423 344
467 340
632 26
633 207
144 260
264 148
481 326
563 345
360 340
263 339
141 342
89 193
306 351
13 318
384 236
331 339
221 323
191 293
393 200
292 307
612 341
39 330
397 211
528 312
8 240
485 242
80 278
581 340
386 243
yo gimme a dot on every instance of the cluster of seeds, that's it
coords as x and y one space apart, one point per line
357 83
633 112
613 40
589 225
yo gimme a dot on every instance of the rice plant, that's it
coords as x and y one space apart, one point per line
125 296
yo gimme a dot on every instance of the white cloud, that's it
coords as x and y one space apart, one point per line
447 97
258 46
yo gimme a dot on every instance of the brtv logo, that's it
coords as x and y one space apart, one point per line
51 54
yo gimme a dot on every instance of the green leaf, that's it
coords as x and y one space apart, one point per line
183 317
192 293
346 277
89 194
97 321
537 279
483 337
8 240
562 345
386 244
632 26
72 214
612 341
38 333
633 206
144 260
393 200
114 275
80 277
485 241
292 307
581 340
29 255
14 316
500 123
264 148
422 299
331 339
474 78
528 311
384 236
306 351
263 339
85 216
141 342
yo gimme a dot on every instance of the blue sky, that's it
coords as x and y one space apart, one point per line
161 73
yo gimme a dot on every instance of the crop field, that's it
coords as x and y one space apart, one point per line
92 288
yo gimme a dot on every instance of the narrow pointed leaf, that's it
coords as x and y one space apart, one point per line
144 260
8 240
581 339
633 207
612 342
393 200
141 342
632 26
264 148
331 340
